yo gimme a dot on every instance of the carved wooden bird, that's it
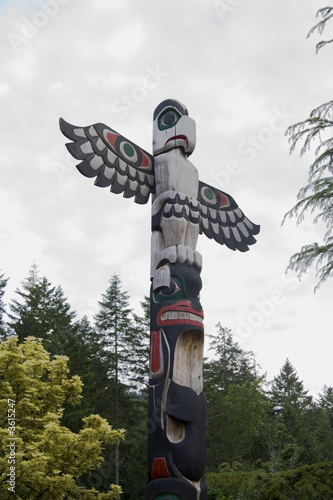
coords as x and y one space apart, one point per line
183 206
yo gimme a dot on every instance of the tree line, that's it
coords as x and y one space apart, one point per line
254 426
110 357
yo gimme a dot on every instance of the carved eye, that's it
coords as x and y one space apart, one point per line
128 151
168 119
208 195
175 292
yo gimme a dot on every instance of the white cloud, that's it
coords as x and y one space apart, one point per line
4 89
21 68
57 86
127 41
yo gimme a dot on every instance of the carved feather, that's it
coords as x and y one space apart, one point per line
223 220
112 159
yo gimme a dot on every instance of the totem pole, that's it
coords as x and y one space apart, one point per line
182 207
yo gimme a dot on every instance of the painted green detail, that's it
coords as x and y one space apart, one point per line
209 194
169 118
129 150
175 292
168 496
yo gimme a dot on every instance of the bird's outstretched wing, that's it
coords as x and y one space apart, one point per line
112 159
222 219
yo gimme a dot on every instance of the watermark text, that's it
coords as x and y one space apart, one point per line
11 481
28 28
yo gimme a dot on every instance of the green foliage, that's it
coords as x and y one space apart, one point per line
316 196
85 361
253 431
310 482
275 430
326 13
49 458
319 435
287 390
42 312
124 349
120 340
3 329
231 365
236 404
142 333
242 420
326 402
289 439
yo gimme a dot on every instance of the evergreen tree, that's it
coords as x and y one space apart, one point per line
326 13
3 329
121 347
117 336
288 391
235 401
232 365
142 329
317 195
235 422
290 401
326 402
86 361
42 312
133 459
319 435
98 396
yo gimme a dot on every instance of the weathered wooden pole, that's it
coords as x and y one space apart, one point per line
177 407
182 207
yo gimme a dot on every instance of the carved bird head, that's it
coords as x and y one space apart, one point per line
173 128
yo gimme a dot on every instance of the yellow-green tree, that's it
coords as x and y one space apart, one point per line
40 458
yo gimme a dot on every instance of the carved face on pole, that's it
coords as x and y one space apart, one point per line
176 427
173 128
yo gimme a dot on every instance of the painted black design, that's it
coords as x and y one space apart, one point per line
223 220
112 159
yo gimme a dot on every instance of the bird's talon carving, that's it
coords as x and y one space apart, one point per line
190 256
182 254
197 260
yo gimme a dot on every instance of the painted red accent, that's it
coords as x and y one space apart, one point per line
183 306
159 468
224 200
145 161
111 139
182 137
155 359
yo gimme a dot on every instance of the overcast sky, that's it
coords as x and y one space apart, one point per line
246 71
